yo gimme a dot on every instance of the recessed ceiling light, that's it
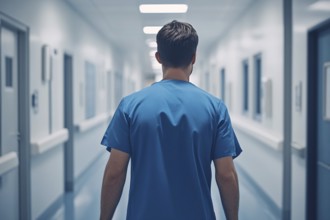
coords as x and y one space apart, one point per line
163 8
320 6
151 29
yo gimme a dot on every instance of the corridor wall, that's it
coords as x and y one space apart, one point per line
258 33
57 25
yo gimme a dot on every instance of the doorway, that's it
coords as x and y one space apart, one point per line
318 150
15 120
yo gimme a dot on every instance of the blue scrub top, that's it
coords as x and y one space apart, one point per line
172 131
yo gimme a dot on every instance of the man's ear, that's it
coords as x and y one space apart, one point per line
193 58
158 57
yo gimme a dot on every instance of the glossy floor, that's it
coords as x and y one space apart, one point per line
83 204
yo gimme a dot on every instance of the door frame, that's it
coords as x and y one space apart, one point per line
24 152
311 154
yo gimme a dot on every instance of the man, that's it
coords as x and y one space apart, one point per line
171 131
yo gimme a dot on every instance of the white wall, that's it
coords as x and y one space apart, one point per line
258 31
54 23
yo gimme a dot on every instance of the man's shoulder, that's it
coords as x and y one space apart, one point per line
140 93
138 96
209 96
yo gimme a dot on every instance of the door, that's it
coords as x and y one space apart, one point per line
318 123
323 124
68 122
9 187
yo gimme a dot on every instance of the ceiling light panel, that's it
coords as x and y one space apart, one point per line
163 8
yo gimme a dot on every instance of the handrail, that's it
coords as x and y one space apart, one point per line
8 162
258 133
91 123
49 142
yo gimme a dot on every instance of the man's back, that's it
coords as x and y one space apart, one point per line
172 131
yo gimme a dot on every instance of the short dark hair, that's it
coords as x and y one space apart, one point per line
176 44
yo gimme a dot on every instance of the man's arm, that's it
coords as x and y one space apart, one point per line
113 182
227 182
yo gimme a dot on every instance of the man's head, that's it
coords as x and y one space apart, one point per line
177 44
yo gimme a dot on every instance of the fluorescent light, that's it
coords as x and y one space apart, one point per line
151 29
320 6
163 8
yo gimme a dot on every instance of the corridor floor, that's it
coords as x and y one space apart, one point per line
84 202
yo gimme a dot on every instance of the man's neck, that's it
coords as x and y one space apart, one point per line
177 73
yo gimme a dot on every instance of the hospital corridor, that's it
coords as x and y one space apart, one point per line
65 66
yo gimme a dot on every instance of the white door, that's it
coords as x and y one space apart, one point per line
9 191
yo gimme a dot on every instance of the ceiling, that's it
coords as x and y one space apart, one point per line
121 22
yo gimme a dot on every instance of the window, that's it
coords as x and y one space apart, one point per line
9 71
245 85
223 84
258 92
90 89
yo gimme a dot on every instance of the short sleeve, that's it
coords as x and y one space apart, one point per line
226 143
117 134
